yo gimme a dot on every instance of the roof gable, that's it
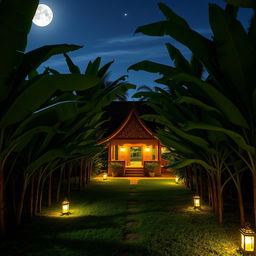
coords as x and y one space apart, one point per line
131 128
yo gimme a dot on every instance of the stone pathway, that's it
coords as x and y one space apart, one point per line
133 181
130 235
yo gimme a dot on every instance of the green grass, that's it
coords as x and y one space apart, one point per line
167 225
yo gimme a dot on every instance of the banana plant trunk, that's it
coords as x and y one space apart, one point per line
31 205
50 190
69 179
13 188
41 196
2 212
201 183
241 203
59 184
214 192
254 196
21 200
81 174
39 178
220 199
210 192
196 181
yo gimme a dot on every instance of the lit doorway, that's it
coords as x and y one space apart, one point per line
136 156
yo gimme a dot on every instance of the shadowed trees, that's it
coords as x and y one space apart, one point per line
45 127
208 120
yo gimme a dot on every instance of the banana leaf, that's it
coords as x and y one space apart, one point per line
236 54
73 69
180 31
186 162
220 101
15 22
47 157
153 67
43 88
236 137
196 102
93 67
180 61
198 141
103 70
33 59
176 144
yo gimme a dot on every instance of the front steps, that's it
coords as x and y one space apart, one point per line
134 172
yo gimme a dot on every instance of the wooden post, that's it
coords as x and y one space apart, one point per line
109 159
159 157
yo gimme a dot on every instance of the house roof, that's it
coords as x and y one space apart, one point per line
118 112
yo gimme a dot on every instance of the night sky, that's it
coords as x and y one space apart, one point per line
106 29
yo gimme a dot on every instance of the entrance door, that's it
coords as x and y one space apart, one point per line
135 156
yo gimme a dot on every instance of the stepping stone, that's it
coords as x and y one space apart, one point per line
131 237
131 224
132 217
132 193
129 203
132 187
133 181
132 209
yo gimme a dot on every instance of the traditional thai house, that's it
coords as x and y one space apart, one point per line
133 149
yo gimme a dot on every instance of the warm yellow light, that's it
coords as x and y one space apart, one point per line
65 207
105 176
197 203
122 149
147 149
247 239
177 180
247 243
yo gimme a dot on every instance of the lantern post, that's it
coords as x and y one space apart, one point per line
247 246
197 202
65 207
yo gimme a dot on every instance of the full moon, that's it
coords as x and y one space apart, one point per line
43 16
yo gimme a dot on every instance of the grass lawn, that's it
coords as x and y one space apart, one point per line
153 217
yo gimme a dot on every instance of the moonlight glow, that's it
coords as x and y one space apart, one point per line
43 16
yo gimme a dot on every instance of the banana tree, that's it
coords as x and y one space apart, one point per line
21 97
229 58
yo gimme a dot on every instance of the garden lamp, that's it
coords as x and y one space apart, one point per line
197 202
65 207
105 176
247 240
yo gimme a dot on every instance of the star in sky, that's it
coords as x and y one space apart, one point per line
125 14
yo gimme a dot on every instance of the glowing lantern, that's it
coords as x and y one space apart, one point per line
197 202
122 149
105 176
147 149
65 207
177 180
247 240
